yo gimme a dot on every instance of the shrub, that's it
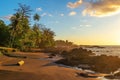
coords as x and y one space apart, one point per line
1 53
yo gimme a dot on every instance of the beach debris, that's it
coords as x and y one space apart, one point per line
92 75
84 66
117 71
87 75
20 63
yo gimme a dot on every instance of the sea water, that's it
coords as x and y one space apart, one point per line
107 50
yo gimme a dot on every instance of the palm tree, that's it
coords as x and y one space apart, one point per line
4 34
36 30
47 37
19 25
24 10
37 34
36 17
15 28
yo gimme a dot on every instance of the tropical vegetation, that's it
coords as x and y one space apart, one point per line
21 34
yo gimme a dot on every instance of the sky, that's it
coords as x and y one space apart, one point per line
84 22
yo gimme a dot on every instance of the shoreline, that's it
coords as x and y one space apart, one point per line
46 69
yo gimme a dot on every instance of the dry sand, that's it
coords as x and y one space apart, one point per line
36 69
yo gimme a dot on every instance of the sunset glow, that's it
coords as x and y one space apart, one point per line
84 22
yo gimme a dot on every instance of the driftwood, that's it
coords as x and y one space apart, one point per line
20 63
13 55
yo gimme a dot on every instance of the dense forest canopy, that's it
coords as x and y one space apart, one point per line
20 34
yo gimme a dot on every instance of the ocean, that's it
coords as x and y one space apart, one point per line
107 50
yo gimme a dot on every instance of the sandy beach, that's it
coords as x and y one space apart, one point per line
37 67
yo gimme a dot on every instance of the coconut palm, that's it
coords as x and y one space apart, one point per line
47 38
36 17
19 25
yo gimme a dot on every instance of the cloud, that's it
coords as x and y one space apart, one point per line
81 26
6 17
39 9
57 22
83 20
53 22
46 14
72 13
62 14
103 8
99 8
50 15
85 25
74 5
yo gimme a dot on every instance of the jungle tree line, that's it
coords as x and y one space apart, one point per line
20 34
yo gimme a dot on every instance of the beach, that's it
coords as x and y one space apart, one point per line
37 67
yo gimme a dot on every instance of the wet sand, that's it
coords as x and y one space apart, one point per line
36 69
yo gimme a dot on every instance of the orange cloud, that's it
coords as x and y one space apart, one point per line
6 17
72 13
74 5
100 8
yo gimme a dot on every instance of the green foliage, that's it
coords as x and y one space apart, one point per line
36 17
1 53
19 26
19 34
37 34
4 34
60 43
24 10
47 39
